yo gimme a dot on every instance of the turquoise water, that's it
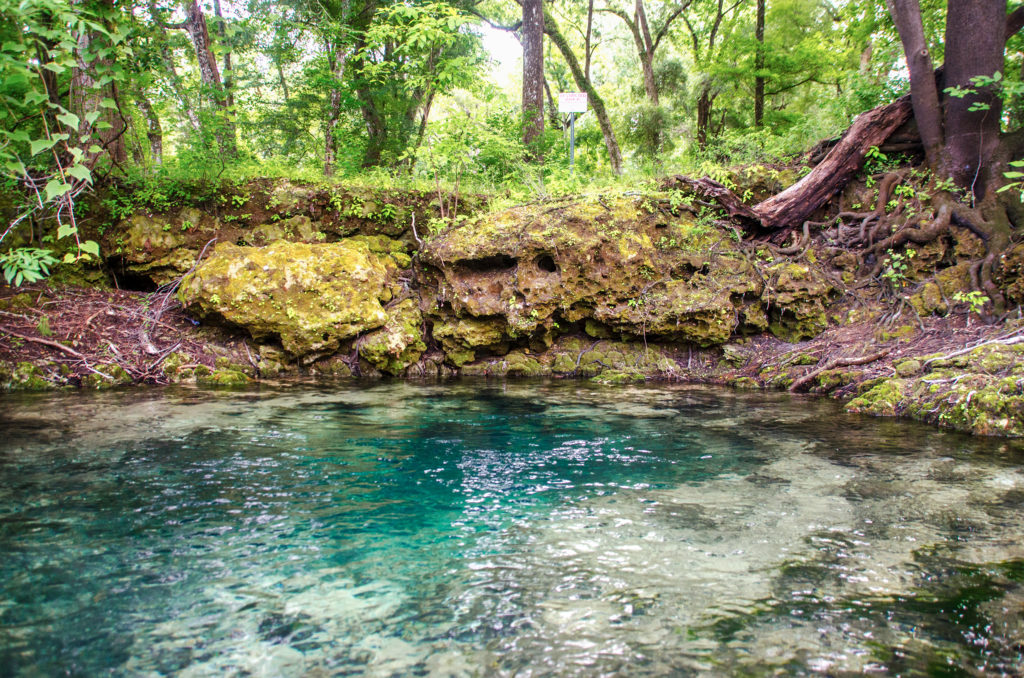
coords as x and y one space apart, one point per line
500 529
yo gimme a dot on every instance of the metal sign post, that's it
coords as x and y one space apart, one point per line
572 141
572 103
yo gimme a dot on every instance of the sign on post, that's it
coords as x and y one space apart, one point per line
572 103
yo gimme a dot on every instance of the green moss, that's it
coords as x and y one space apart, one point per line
885 399
519 364
928 300
24 376
310 297
615 377
17 301
106 376
908 368
399 344
226 378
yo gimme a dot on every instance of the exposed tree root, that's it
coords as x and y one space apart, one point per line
832 363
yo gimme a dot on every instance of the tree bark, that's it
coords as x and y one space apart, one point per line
646 50
336 64
86 97
222 32
798 202
759 66
586 41
705 103
195 24
975 41
154 132
596 102
168 62
924 94
533 71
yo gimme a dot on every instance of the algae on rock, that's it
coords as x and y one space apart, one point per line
311 297
399 344
621 265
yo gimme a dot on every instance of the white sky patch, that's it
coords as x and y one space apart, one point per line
506 52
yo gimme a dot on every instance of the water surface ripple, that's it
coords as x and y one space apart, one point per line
500 529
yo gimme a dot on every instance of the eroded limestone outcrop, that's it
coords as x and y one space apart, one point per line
309 297
627 268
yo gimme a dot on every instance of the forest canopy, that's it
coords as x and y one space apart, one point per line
435 90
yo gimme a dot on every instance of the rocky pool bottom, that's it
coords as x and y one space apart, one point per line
503 528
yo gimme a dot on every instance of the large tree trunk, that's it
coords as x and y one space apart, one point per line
376 129
86 97
168 63
704 107
798 202
336 60
924 94
759 66
645 49
975 41
596 102
195 24
533 70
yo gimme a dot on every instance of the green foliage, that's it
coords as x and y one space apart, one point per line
974 299
897 266
26 265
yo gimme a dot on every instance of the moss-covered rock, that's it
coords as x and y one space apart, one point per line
616 267
24 376
310 297
796 297
106 376
399 344
161 247
298 229
225 377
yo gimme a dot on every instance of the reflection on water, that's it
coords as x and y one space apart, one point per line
500 529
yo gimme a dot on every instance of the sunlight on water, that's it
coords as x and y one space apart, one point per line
485 528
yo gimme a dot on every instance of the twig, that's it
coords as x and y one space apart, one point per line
1007 339
46 342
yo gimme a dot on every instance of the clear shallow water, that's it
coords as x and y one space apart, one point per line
500 529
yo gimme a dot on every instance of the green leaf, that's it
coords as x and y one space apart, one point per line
80 172
1013 175
95 149
108 103
34 98
56 188
55 67
69 119
91 116
70 258
103 124
90 247
40 145
65 230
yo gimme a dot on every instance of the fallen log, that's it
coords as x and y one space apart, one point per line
797 203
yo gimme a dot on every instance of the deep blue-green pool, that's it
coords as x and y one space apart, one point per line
488 528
